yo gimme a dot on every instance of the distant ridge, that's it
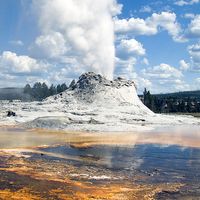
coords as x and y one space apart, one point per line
12 93
194 93
182 94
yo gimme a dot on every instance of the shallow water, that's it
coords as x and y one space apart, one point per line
20 138
160 162
165 163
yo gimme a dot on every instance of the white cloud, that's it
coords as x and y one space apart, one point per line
60 76
168 22
162 71
180 3
86 27
146 9
10 81
125 68
178 85
142 83
150 26
183 65
17 70
194 51
189 15
49 46
197 80
128 52
165 78
186 2
128 48
145 61
193 29
135 26
12 63
161 78
16 42
33 79
196 83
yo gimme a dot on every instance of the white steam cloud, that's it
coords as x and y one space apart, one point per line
78 29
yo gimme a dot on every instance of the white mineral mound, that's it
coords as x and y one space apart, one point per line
93 91
96 104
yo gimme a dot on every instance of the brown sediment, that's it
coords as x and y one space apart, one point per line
71 190
190 138
88 139
110 192
39 179
23 194
23 178
11 126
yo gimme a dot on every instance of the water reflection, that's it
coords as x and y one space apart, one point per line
158 161
182 136
167 155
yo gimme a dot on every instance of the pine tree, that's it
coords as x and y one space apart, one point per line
63 87
44 91
58 89
72 84
27 89
52 90
37 91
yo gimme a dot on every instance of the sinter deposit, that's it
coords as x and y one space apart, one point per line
92 103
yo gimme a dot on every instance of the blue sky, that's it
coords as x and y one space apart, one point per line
157 43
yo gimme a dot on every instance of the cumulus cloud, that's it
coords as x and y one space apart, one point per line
145 61
136 26
165 78
142 83
150 26
83 30
186 2
175 85
128 48
183 65
20 69
49 46
193 29
162 71
125 68
128 51
11 63
194 51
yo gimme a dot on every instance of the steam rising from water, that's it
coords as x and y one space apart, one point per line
79 29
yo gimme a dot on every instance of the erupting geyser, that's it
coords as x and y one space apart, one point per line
79 29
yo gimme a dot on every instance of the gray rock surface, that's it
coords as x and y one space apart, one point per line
91 80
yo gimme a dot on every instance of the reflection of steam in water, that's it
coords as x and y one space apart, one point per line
126 151
125 158
158 157
182 136
157 161
115 157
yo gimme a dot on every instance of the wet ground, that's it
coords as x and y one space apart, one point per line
41 164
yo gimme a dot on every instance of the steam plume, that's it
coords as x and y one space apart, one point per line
82 29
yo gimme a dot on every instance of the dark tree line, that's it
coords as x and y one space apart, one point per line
40 91
171 103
